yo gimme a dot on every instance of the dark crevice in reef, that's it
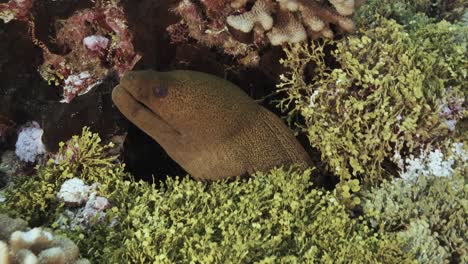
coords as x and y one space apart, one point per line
145 159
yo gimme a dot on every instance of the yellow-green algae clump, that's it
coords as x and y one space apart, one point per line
270 218
379 95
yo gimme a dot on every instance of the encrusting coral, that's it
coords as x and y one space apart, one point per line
35 245
275 22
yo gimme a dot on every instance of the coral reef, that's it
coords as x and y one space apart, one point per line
389 91
100 44
74 193
268 21
83 158
34 246
405 11
271 217
15 10
386 109
433 206
96 43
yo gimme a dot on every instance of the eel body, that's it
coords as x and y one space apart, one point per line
206 124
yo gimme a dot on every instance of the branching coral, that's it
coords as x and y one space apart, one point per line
268 21
96 42
274 217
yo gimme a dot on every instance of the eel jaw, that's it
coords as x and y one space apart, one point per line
141 115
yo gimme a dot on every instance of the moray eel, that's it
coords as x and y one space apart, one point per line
208 125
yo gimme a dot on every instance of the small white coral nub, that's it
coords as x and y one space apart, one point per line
74 192
260 14
291 5
87 208
95 42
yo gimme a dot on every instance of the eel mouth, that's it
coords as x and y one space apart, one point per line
126 96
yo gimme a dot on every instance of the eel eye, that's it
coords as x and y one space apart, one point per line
160 91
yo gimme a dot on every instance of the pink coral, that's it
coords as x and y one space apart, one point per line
96 42
100 44
99 41
16 9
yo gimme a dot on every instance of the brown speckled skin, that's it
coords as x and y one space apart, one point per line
207 124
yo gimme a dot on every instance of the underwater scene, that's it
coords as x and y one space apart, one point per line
233 131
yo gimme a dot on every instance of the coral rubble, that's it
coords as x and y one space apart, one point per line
74 193
283 21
